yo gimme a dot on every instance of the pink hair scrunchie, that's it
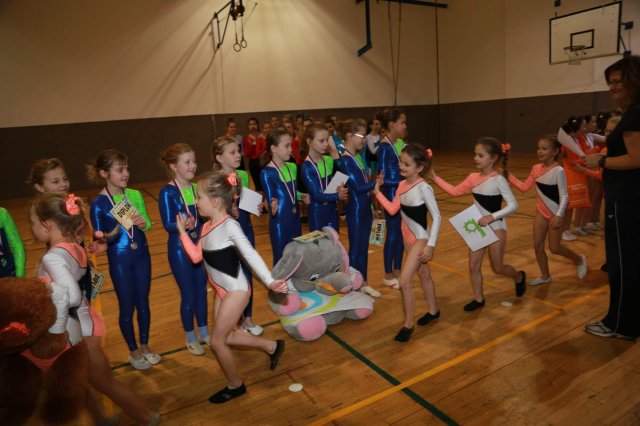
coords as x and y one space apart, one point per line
505 147
70 204
233 179
429 153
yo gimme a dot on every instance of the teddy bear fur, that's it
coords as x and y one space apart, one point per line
26 315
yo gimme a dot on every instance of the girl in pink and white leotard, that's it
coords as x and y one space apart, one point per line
414 198
551 204
489 189
223 246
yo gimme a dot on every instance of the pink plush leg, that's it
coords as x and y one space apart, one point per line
290 304
311 328
363 312
357 281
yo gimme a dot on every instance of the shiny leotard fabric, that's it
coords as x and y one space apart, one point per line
130 269
191 278
551 187
488 193
414 201
65 264
388 162
323 209
244 219
284 225
12 255
224 247
358 212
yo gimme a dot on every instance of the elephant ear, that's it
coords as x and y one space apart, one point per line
286 266
333 235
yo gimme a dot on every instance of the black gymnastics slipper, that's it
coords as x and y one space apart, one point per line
424 320
227 394
521 286
473 305
404 334
275 356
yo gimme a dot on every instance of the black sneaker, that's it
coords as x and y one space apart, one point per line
227 394
521 286
603 268
275 356
473 305
424 320
404 334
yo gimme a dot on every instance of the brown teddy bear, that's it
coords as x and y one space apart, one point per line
32 359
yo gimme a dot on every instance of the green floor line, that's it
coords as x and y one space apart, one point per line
417 398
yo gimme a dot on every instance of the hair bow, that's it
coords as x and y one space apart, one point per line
505 147
70 204
232 179
429 153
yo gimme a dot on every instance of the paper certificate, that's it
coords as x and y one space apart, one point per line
476 236
97 279
122 212
310 237
338 179
249 201
377 232
569 142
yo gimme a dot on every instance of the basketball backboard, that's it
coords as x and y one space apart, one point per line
586 34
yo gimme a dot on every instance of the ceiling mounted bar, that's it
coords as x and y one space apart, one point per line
364 49
367 13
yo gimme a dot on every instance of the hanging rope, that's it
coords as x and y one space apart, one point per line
395 61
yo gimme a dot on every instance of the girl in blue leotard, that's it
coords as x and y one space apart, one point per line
278 179
317 171
394 122
179 197
127 251
358 208
227 157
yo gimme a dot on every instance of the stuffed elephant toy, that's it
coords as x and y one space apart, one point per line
323 288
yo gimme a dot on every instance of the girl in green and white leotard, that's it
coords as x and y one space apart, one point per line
12 257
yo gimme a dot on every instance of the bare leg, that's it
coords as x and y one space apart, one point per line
540 227
228 313
410 267
496 254
556 247
102 379
566 221
475 271
429 288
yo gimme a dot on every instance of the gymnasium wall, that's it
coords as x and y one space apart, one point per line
77 77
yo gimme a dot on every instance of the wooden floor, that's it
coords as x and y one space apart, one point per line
529 363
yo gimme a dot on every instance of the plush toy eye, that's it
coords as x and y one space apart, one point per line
314 277
337 268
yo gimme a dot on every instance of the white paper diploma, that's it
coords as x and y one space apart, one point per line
569 142
249 200
122 212
338 179
476 236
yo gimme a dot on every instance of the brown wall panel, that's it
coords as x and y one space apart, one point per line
449 127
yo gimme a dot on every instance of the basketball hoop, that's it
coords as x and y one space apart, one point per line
575 53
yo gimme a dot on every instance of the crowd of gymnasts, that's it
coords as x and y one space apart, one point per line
211 240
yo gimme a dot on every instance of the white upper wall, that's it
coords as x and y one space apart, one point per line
71 61
527 68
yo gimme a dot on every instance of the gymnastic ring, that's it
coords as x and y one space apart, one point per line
237 47
243 43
